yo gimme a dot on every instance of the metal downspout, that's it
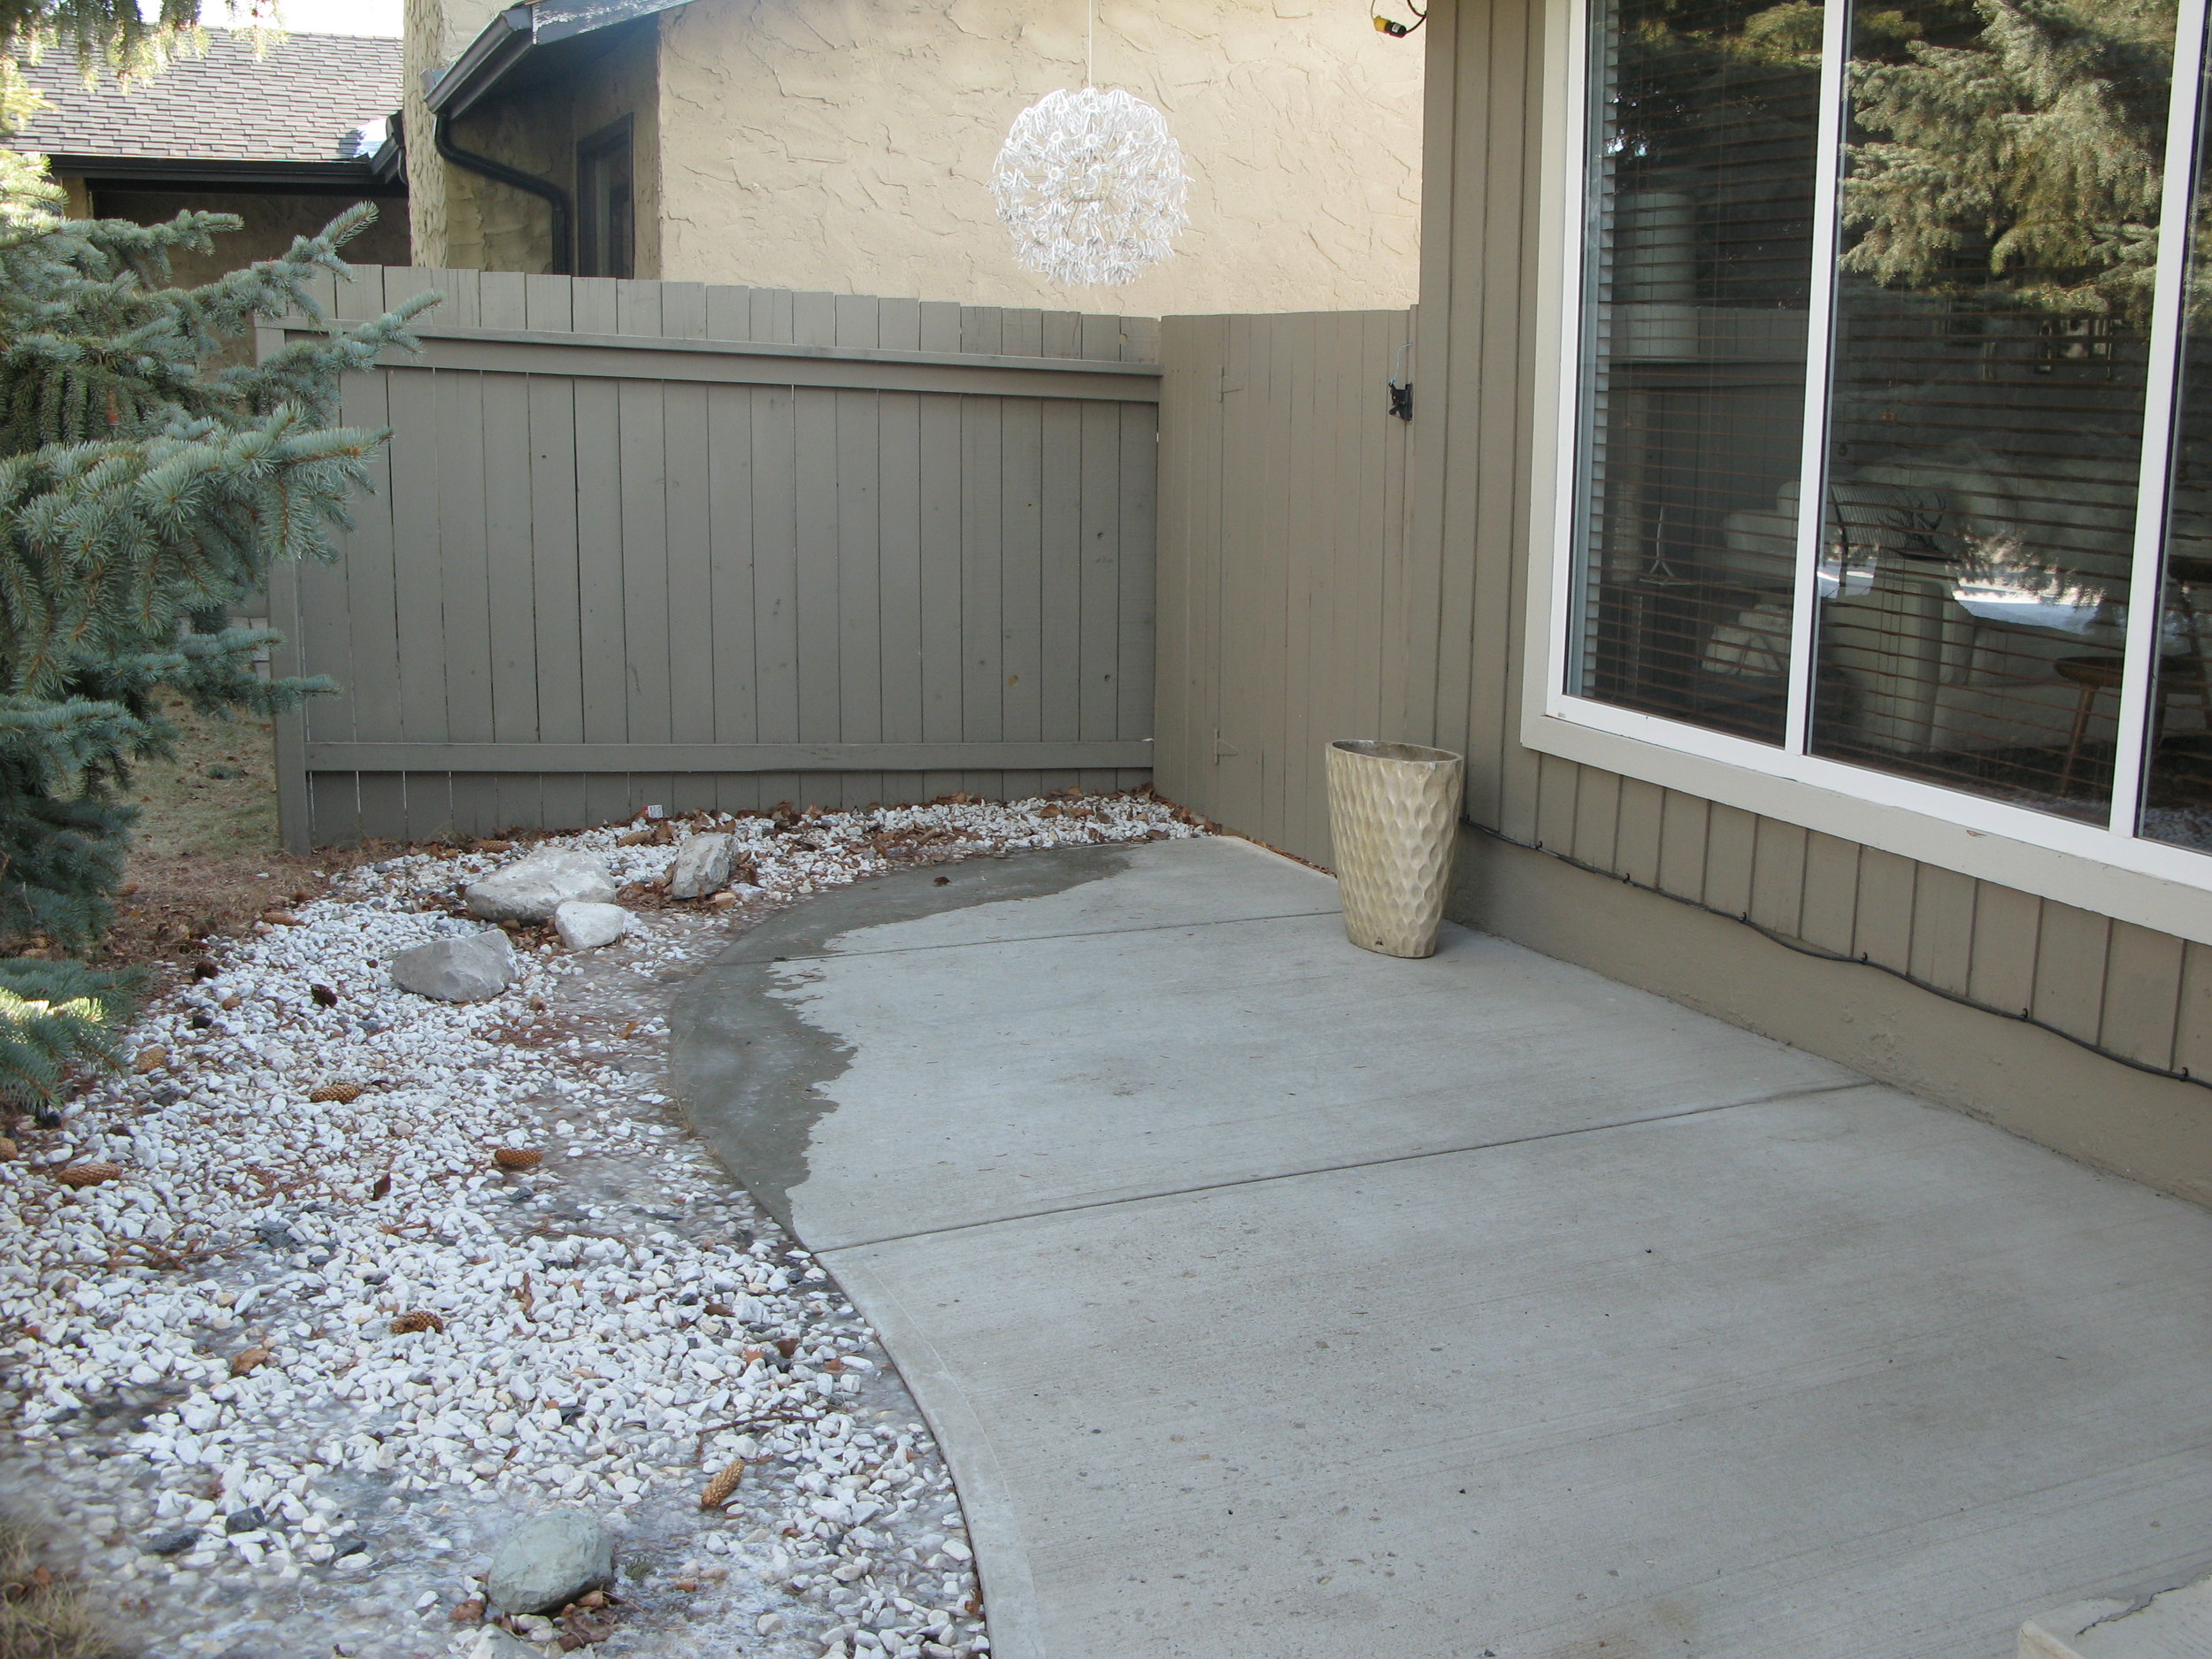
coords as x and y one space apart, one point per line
563 261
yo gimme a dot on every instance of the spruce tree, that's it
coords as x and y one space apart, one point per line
144 494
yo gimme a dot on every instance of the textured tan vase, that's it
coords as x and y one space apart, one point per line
1393 813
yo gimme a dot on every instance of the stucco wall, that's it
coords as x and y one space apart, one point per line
476 223
846 145
436 33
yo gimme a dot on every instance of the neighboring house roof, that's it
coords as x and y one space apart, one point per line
303 102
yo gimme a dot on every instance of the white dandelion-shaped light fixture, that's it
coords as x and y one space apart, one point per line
1091 185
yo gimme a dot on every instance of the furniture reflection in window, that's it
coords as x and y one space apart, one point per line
605 218
2000 405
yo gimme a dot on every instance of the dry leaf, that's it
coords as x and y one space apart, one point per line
325 997
247 1362
836 1366
232 1000
88 1174
419 1320
630 1029
635 838
786 1345
517 1158
205 969
722 1486
383 1187
344 1093
469 1612
495 847
280 918
153 1057
723 901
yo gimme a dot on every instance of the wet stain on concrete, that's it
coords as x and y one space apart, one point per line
751 1074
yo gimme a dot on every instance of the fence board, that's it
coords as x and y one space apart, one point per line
671 543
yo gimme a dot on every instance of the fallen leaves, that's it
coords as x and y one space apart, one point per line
281 918
251 1361
88 1174
719 1489
420 1319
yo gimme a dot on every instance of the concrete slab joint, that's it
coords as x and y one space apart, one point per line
1271 1297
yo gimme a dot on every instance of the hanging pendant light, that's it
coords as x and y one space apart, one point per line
1091 185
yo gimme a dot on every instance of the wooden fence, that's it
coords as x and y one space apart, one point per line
1283 503
667 543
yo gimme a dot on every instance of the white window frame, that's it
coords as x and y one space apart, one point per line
2097 868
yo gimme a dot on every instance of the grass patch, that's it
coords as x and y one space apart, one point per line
44 1614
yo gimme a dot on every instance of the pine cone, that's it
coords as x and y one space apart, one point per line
88 1174
150 1059
421 1320
722 1486
344 1093
517 1158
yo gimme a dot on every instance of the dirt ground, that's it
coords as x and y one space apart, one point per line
205 860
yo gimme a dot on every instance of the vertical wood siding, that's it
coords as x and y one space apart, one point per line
1422 641
673 557
1282 529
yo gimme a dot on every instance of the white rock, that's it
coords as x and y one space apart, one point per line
584 925
531 889
457 970
702 866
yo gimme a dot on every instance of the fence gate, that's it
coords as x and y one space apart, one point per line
1283 512
663 542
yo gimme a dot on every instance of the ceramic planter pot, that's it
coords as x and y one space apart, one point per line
1394 814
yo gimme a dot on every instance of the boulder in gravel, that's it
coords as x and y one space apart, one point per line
531 889
548 1563
457 970
584 925
702 866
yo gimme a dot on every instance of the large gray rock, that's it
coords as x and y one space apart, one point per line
457 970
702 866
531 889
583 925
548 1563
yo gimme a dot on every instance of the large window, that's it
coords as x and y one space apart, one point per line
1893 411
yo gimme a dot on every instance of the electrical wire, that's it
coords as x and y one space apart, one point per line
2026 1016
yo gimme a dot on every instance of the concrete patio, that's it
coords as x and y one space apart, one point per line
1275 1299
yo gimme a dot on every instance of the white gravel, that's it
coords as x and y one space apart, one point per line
607 1328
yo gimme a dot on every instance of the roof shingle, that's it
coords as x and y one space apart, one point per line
299 103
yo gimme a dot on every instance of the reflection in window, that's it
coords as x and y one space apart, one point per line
1999 218
2178 793
1703 126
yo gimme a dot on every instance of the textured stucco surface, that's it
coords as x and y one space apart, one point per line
472 223
845 145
